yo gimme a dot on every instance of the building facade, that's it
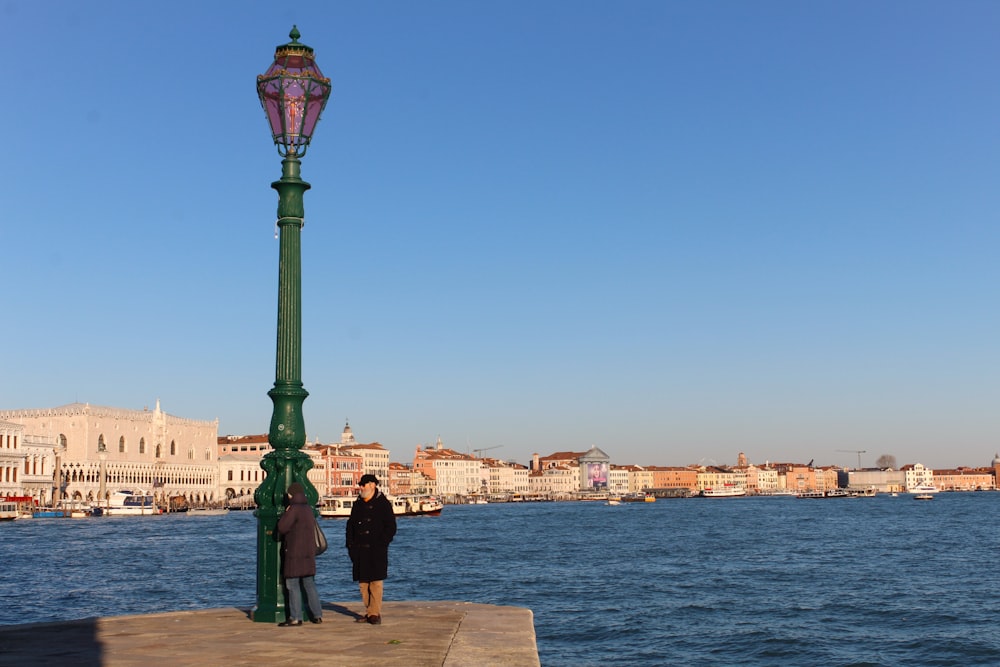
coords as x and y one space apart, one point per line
101 450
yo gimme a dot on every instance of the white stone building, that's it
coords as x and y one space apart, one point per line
110 449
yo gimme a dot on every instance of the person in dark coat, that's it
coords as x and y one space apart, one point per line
297 527
370 529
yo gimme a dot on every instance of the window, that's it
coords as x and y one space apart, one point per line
121 445
142 445
173 448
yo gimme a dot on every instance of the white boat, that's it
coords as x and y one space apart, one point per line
724 491
924 496
811 494
127 503
417 505
9 511
923 489
838 493
332 507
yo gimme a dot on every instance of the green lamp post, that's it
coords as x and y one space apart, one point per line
293 93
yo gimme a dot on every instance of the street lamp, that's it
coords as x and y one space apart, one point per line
293 93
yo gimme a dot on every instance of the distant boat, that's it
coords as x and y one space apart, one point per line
923 489
614 500
724 491
811 494
333 507
9 511
127 503
416 505
924 496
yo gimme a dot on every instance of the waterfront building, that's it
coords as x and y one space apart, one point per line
400 482
673 477
594 470
239 467
560 481
618 480
12 460
714 477
917 475
336 470
882 480
506 478
375 457
799 477
964 479
450 473
762 479
104 449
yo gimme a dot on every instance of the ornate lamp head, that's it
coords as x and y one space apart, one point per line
293 92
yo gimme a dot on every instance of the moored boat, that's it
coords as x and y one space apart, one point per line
420 505
923 489
127 503
725 491
333 507
9 511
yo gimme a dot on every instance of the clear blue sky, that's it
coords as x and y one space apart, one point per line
674 230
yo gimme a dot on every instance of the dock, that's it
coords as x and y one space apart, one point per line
412 634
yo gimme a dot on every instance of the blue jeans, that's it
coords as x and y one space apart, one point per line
295 597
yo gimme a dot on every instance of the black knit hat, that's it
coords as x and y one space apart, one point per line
368 478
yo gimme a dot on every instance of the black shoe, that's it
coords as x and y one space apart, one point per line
289 624
375 620
316 620
361 619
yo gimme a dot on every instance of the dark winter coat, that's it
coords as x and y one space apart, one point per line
297 529
370 529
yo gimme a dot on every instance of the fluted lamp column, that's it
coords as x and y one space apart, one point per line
293 92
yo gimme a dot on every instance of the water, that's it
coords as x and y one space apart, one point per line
743 581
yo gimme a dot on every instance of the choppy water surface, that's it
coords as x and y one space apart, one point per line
743 581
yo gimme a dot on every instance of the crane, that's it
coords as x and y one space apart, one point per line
483 449
859 452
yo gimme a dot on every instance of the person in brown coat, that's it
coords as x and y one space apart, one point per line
370 529
297 527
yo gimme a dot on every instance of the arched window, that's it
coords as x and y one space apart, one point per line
142 445
62 441
191 453
173 448
208 454
101 445
121 445
159 453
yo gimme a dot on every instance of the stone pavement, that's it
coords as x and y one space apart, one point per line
412 634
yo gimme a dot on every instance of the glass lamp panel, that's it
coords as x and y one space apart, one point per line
293 93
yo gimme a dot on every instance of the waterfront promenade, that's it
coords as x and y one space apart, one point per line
412 634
